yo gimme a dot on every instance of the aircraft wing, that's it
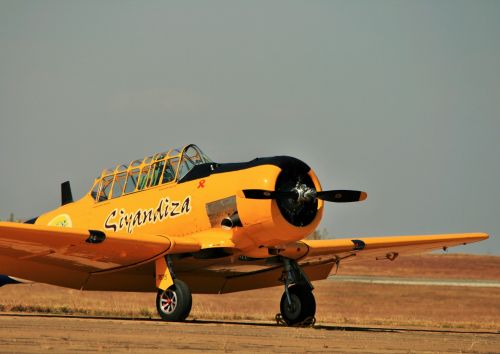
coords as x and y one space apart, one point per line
385 247
94 260
319 257
237 273
66 256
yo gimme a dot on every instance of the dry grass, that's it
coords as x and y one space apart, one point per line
43 298
337 303
442 266
368 304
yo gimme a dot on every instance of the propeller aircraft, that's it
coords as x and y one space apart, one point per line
177 223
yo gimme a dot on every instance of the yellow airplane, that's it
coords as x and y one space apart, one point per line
179 223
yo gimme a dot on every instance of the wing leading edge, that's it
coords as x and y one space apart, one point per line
386 247
67 256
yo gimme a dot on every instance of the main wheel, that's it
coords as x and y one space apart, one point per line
303 305
174 304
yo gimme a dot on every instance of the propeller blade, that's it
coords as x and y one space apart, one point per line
341 196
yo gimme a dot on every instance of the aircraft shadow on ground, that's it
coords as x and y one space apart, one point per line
266 324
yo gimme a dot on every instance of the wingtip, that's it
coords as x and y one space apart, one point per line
479 236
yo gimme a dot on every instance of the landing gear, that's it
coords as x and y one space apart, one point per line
173 300
301 308
297 304
174 304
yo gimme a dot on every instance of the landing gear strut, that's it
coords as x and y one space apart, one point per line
297 305
173 300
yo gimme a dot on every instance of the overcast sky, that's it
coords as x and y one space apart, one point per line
397 98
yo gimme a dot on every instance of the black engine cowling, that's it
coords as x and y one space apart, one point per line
296 212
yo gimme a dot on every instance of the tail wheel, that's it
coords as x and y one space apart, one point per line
174 304
302 306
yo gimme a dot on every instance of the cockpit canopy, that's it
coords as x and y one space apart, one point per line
138 175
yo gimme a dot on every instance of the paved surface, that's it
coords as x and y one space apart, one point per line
415 281
32 333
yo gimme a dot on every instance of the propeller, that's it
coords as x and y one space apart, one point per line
297 197
303 193
342 196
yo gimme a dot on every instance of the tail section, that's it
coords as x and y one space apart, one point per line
66 195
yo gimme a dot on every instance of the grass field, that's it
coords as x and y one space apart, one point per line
337 302
438 266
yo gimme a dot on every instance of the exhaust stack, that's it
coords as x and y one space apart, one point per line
231 221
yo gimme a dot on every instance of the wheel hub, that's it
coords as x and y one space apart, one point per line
168 301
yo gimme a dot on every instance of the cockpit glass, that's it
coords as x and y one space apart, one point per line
105 188
170 169
174 152
131 181
143 179
156 172
118 185
191 157
161 168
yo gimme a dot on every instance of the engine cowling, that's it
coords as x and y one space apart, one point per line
273 222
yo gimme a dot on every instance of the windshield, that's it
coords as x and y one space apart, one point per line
191 156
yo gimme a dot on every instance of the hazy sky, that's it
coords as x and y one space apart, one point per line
397 98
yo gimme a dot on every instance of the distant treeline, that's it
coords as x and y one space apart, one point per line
11 218
318 235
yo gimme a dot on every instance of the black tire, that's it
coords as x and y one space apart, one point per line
303 305
174 304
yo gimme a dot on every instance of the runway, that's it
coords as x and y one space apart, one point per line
415 281
40 333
